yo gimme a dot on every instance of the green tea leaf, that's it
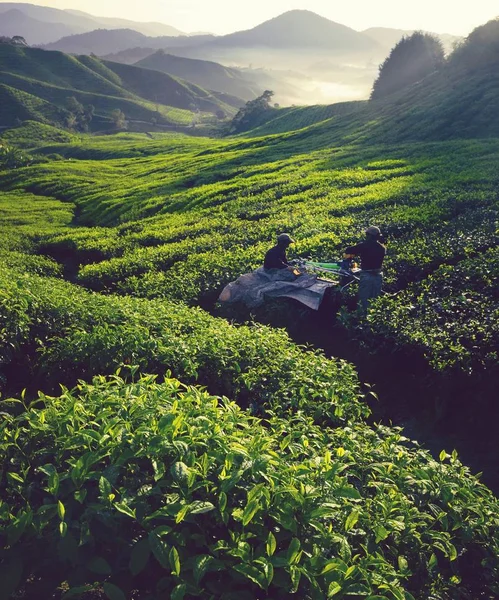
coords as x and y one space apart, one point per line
333 589
174 559
201 566
271 544
15 477
294 554
178 592
125 509
295 575
452 552
198 507
253 574
53 483
250 511
352 519
105 488
381 533
159 549
80 495
348 492
61 510
222 501
180 473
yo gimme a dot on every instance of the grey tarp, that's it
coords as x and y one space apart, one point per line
254 288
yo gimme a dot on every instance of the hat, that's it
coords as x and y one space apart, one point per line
285 237
372 230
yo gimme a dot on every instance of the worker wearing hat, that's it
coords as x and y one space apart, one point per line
276 256
372 254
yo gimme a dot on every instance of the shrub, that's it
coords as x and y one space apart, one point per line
161 490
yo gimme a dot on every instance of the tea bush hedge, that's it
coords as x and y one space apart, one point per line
158 490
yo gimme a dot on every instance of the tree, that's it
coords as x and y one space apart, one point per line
248 116
12 158
79 116
413 58
74 106
119 119
220 114
479 49
18 40
71 120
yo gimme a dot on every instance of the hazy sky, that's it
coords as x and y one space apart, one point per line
225 16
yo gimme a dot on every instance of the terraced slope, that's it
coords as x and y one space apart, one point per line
53 77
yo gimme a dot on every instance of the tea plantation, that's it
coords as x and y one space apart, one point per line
133 465
155 445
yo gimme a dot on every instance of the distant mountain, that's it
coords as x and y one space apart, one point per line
151 29
15 22
99 42
205 73
55 23
111 41
36 84
297 29
388 38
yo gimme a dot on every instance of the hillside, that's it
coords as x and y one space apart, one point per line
41 25
142 94
459 101
207 74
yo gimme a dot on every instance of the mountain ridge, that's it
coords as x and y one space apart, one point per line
72 22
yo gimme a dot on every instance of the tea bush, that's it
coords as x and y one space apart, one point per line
61 333
154 490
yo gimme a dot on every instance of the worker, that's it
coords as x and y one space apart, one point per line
372 254
276 256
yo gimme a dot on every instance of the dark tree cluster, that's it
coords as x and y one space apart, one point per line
481 47
79 116
413 58
249 115
17 40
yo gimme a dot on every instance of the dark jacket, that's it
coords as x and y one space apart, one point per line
276 258
371 254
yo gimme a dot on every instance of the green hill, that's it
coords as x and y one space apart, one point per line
207 74
53 77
